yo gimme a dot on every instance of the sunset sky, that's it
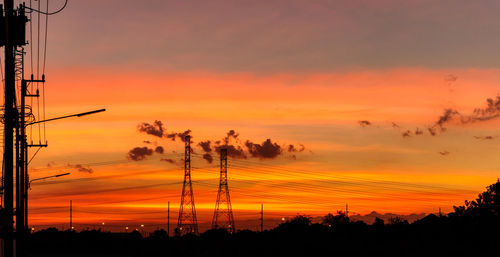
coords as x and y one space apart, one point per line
358 84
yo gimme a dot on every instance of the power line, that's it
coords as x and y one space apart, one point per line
47 12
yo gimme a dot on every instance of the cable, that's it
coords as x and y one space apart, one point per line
105 162
38 73
321 178
45 45
48 13
43 71
31 39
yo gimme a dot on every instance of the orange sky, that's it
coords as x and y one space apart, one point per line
371 168
304 73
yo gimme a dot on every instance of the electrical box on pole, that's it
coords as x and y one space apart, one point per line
17 27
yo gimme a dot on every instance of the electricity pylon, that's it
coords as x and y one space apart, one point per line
187 223
223 213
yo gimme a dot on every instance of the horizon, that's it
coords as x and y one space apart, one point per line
381 106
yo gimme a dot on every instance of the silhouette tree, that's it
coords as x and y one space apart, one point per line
331 220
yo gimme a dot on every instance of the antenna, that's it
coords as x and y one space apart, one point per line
71 215
261 217
168 219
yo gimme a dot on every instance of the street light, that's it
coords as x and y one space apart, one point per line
67 116
43 178
25 146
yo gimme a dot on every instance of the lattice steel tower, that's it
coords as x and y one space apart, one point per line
187 223
223 213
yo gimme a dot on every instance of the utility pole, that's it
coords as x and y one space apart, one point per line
261 217
71 215
168 219
9 124
223 198
187 222
13 28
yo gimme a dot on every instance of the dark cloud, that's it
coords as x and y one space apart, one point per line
485 137
491 111
172 161
432 131
444 153
180 135
139 153
208 157
155 129
266 150
447 116
406 134
364 123
171 136
159 149
233 151
293 149
231 134
450 78
147 142
80 168
205 145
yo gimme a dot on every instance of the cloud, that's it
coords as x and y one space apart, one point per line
171 161
205 145
233 151
139 153
155 129
208 157
232 134
491 111
450 78
446 117
364 123
80 168
406 134
159 149
293 149
485 137
266 150
432 131
179 135
444 153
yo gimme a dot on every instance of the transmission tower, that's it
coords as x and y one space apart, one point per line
223 211
187 223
